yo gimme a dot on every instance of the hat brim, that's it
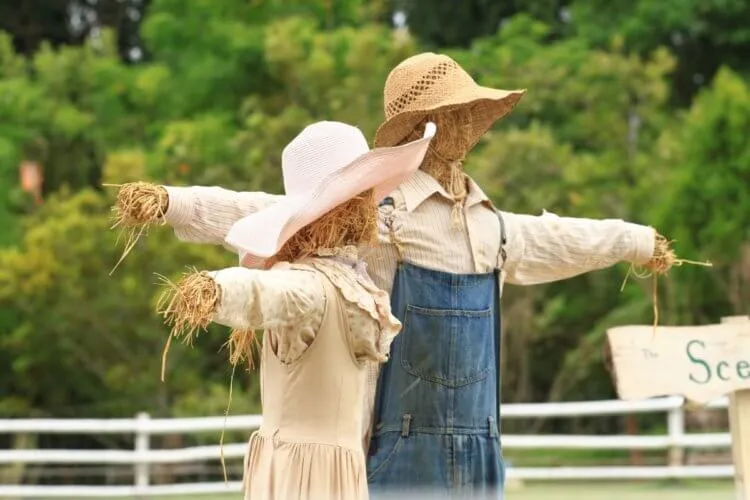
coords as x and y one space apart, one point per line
263 233
487 105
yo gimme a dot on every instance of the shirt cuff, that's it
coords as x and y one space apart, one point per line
180 208
644 242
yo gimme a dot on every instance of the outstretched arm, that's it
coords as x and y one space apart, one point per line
546 248
201 214
197 214
287 303
252 299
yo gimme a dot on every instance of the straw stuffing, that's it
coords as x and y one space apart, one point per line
138 205
444 157
663 260
241 345
188 306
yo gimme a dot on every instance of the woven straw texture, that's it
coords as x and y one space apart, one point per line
430 83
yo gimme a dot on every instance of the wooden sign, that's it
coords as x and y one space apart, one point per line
701 363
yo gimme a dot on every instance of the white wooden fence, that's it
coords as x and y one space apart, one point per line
143 456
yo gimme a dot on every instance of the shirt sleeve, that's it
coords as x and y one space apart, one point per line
288 300
201 214
546 248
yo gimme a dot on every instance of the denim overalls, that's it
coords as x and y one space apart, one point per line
436 432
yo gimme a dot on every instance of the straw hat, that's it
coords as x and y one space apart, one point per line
429 83
327 164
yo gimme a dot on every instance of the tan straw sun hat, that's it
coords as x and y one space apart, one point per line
429 83
327 164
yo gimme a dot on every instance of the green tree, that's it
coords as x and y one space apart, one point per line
225 85
85 341
701 34
445 23
706 205
70 22
555 153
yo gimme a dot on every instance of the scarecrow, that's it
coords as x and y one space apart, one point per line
445 252
324 320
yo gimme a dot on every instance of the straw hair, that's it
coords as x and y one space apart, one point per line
430 82
353 223
138 205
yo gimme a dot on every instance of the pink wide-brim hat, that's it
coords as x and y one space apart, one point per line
327 164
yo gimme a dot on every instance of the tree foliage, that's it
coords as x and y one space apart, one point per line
225 85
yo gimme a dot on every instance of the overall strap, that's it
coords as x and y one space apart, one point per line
378 402
387 221
503 237
498 317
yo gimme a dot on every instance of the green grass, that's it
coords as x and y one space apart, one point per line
572 458
652 490
695 490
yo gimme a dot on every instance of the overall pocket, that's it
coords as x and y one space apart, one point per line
449 347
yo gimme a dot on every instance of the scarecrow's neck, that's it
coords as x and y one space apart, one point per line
450 175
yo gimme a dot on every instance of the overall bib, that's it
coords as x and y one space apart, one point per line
436 432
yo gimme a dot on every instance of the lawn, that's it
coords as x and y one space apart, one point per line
693 490
698 490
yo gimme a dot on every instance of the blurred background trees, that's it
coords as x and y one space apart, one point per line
635 110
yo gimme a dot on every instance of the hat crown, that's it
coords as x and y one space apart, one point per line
421 81
318 151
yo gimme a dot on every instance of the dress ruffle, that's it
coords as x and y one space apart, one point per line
347 273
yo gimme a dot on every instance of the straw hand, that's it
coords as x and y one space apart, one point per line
138 205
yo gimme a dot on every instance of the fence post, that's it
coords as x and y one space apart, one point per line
739 427
142 445
675 431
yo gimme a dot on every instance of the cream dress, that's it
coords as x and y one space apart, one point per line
310 445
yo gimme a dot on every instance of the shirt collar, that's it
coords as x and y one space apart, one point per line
421 186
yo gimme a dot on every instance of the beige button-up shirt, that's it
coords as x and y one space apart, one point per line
421 226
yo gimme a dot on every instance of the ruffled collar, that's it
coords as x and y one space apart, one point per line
348 273
346 255
348 252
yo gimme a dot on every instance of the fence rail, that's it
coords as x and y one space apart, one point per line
676 440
